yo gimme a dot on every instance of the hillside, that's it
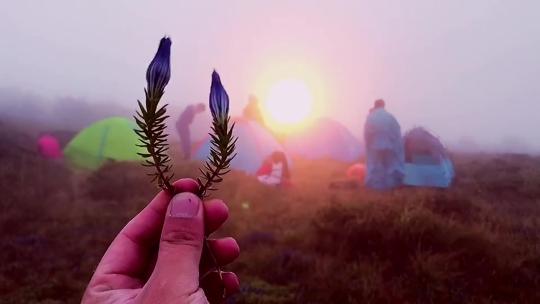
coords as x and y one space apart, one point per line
312 243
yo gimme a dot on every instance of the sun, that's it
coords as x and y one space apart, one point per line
289 102
292 92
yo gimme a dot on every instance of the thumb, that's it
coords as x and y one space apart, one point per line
176 274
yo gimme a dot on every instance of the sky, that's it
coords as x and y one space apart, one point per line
463 69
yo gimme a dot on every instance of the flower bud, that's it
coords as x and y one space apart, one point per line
159 70
219 100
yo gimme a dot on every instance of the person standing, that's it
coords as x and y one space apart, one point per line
252 111
183 124
384 149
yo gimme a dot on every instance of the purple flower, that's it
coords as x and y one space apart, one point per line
219 100
159 70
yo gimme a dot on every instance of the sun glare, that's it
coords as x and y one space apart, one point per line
289 102
292 93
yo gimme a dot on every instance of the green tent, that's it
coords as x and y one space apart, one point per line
108 139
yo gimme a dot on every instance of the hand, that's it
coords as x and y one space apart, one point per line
134 270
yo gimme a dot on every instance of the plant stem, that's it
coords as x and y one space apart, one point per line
202 193
210 181
221 130
152 107
161 175
216 267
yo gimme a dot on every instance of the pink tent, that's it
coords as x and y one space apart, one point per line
49 147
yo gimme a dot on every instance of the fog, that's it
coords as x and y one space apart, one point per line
466 70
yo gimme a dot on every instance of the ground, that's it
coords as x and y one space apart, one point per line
477 242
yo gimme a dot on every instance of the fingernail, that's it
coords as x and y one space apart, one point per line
184 205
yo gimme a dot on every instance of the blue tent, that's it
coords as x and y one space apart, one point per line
427 163
325 138
254 145
384 151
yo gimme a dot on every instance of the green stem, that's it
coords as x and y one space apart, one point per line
216 267
152 105
210 181
161 174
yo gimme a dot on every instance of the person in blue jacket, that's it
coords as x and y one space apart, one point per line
384 149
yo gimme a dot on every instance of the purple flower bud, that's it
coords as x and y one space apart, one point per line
219 100
159 70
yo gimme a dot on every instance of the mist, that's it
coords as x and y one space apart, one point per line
467 71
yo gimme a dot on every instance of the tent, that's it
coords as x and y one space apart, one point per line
384 151
112 138
254 145
49 147
427 162
326 138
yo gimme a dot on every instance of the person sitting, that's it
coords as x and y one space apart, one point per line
275 170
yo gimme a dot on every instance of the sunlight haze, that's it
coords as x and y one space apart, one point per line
466 70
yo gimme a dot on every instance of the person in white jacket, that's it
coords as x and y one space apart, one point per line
275 170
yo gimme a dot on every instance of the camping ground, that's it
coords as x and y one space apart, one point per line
477 242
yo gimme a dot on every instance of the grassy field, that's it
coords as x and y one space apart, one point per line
478 242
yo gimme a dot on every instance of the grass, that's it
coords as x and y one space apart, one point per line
477 242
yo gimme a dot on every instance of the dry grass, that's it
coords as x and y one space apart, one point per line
475 243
